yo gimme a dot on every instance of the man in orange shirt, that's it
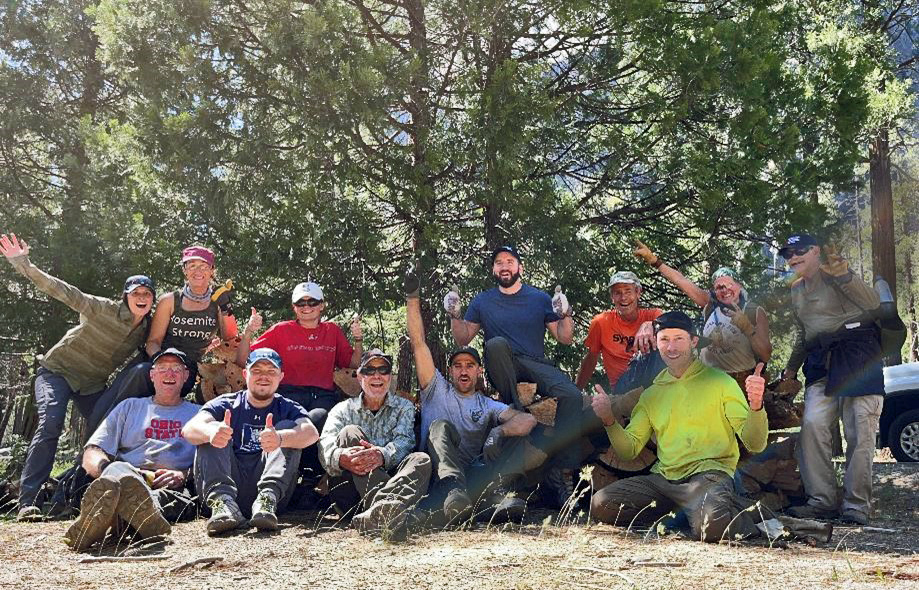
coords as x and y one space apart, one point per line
620 332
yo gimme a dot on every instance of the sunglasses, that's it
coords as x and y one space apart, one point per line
169 370
308 302
384 370
788 254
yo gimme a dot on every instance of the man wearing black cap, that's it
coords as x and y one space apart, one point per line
461 427
838 345
249 446
366 447
139 460
697 414
515 317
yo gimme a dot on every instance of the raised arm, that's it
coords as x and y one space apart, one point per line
245 338
424 362
357 340
16 252
699 295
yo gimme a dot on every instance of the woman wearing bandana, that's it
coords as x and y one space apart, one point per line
737 329
187 319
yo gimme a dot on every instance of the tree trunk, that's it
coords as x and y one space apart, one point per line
883 255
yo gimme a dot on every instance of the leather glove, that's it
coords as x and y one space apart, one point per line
740 320
412 285
223 297
492 447
835 265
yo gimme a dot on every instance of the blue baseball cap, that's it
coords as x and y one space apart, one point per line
135 281
796 241
509 249
263 354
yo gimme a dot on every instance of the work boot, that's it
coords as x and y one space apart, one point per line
853 516
138 508
263 511
812 512
501 506
559 486
97 512
29 513
384 517
225 514
457 505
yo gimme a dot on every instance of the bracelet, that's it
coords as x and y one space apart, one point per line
280 438
103 464
657 263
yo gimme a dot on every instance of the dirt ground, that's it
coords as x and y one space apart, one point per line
313 552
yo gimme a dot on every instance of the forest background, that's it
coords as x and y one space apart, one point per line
342 140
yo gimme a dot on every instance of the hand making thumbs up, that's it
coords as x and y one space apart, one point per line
269 438
755 386
223 432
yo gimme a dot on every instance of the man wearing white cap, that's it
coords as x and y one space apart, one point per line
619 333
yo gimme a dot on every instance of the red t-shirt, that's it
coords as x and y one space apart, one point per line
308 355
615 339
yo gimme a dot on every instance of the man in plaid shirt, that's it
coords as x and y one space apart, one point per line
366 447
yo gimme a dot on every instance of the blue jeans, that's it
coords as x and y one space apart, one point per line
52 392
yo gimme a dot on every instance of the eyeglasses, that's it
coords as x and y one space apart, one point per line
308 302
383 370
788 254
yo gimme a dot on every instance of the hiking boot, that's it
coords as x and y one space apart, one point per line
138 508
457 505
29 513
385 517
263 511
559 486
97 512
225 514
812 512
853 516
501 506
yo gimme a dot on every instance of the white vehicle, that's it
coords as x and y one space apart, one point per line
899 427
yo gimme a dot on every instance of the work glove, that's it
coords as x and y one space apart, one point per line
452 302
740 320
412 286
835 265
492 447
560 303
223 297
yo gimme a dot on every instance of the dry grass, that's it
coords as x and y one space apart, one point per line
535 555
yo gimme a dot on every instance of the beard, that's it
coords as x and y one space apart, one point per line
508 282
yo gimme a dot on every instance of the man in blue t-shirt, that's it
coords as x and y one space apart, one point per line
249 446
515 317
475 442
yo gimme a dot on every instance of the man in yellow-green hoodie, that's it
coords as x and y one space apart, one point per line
697 414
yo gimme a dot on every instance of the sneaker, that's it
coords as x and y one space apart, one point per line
30 513
263 511
812 512
138 508
559 485
853 516
97 513
457 505
225 514
385 517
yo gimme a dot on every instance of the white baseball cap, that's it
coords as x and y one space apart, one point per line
311 290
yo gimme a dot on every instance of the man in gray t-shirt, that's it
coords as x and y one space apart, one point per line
139 460
476 444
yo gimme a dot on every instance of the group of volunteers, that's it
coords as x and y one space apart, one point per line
155 458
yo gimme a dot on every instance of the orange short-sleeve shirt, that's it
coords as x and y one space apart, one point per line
614 339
